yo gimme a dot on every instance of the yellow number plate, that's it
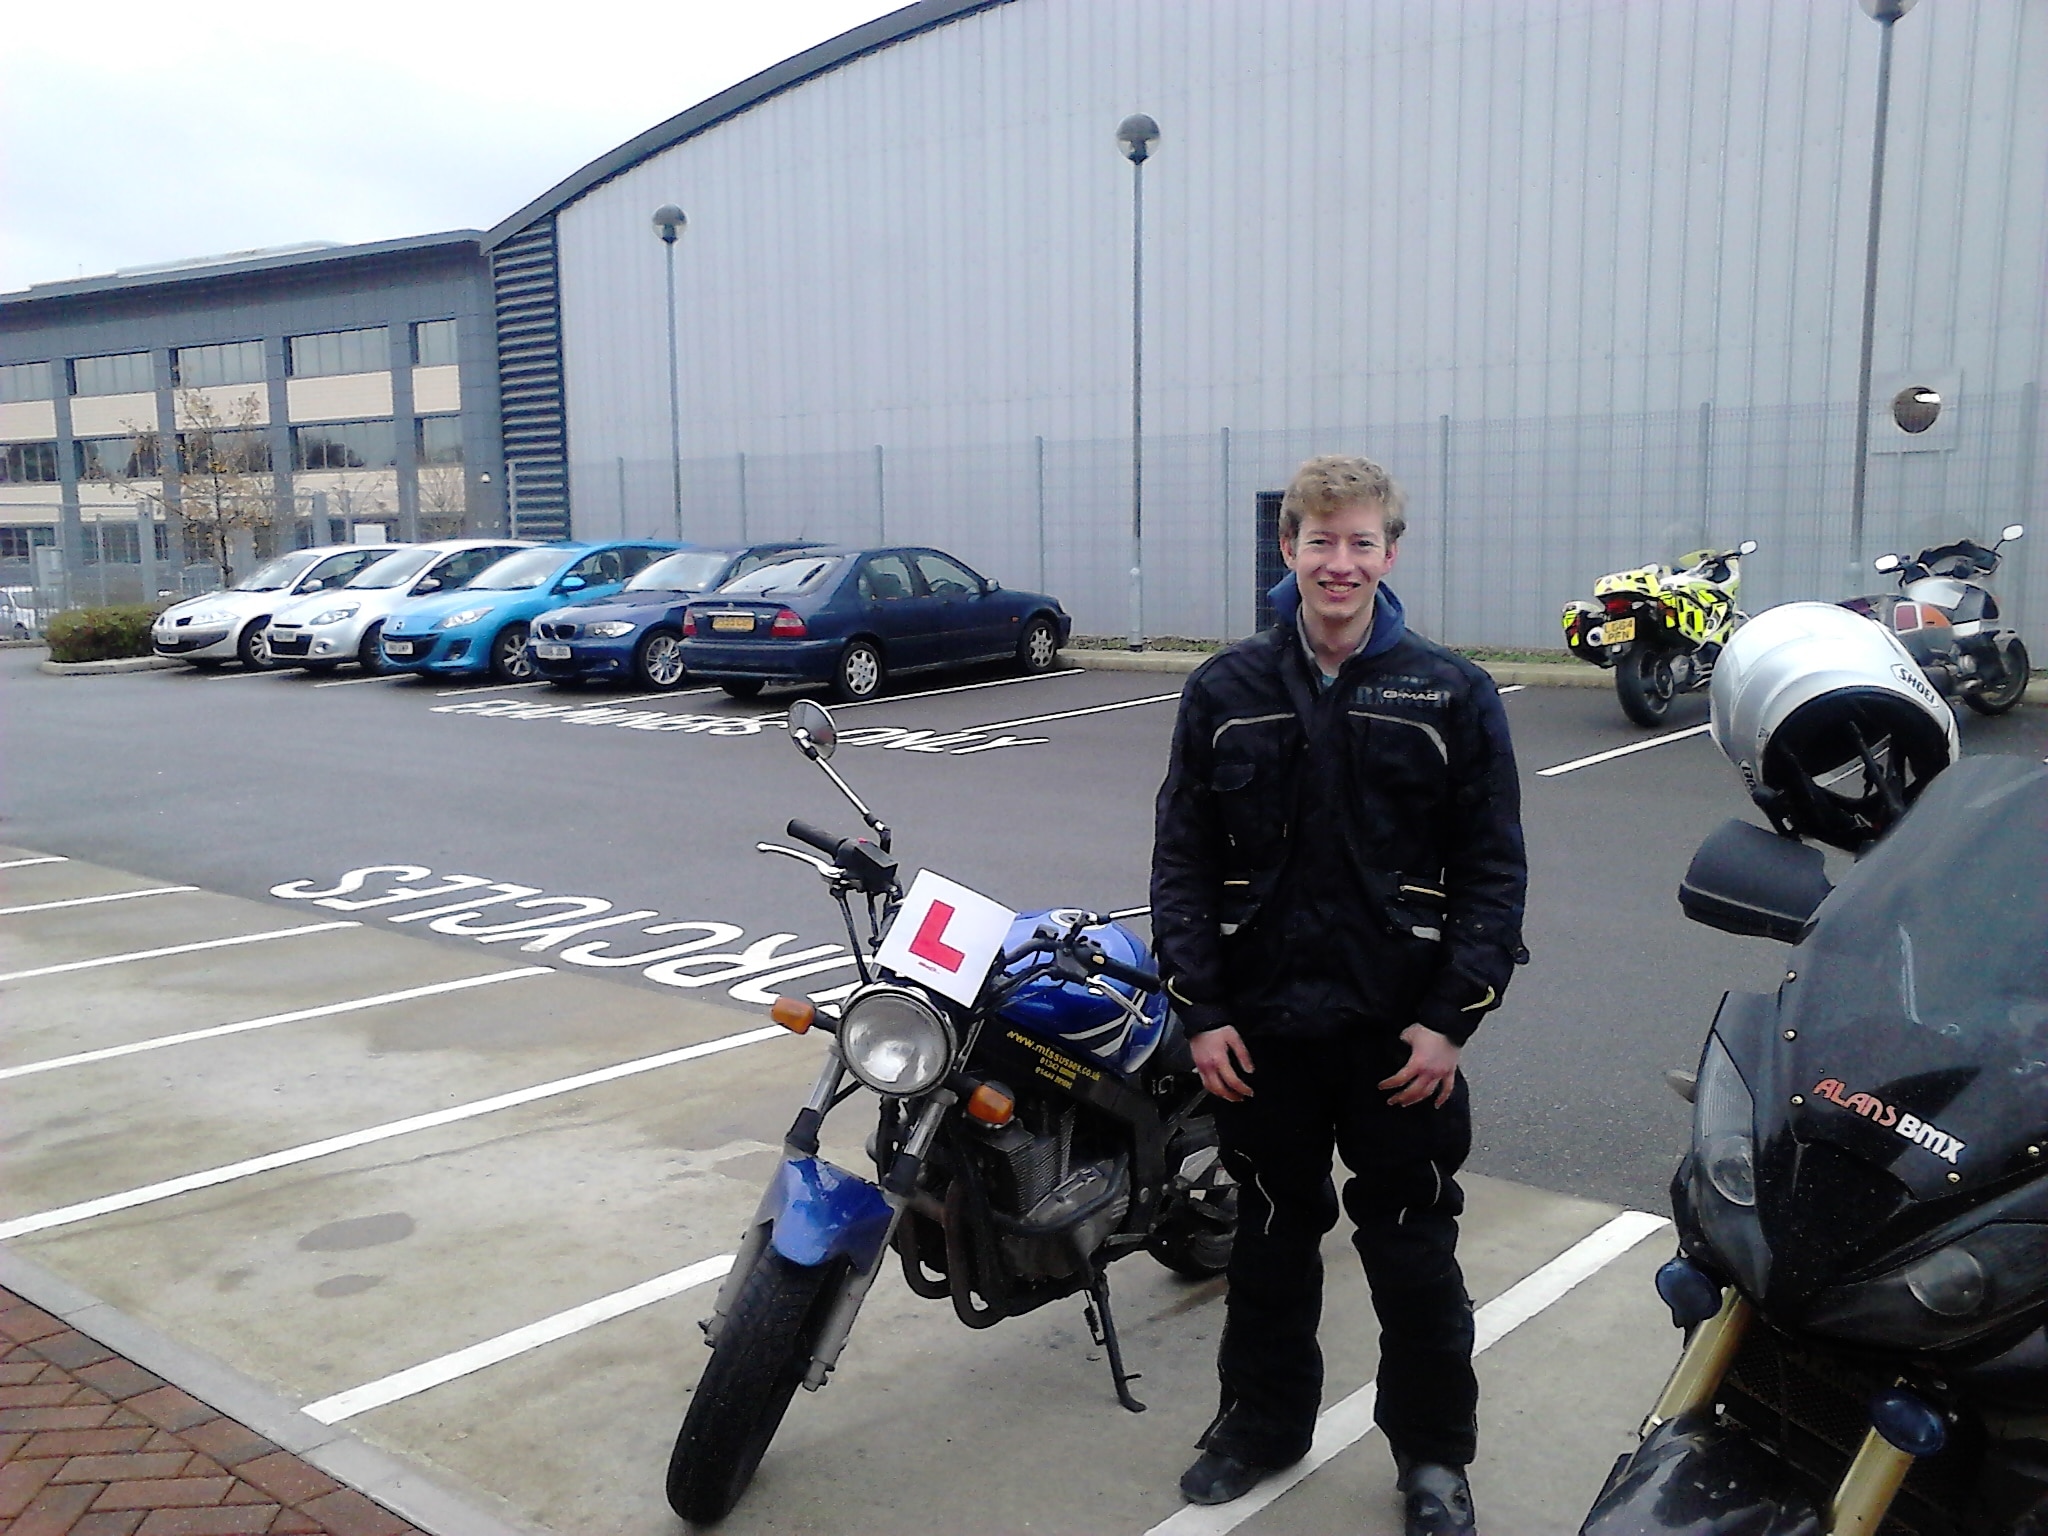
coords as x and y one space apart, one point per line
1618 630
741 623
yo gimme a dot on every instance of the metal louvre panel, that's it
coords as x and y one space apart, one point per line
534 424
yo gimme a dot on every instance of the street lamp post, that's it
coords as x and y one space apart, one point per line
1136 134
668 220
1885 13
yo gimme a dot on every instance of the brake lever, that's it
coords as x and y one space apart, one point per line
823 866
1101 988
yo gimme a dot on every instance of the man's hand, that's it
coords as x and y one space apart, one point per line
1220 1055
1432 1068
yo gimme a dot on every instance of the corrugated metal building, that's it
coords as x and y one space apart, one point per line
1587 274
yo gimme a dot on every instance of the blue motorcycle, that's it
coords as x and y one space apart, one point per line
1039 1117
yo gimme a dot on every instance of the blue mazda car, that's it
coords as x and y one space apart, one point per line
636 633
483 627
851 618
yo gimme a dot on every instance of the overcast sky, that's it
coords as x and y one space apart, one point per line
133 133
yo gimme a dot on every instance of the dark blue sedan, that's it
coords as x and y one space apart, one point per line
853 617
635 634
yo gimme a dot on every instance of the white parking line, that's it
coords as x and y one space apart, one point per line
48 858
932 693
350 682
446 1368
325 1010
174 949
1511 688
1634 746
449 693
90 901
1342 1426
1069 714
147 1194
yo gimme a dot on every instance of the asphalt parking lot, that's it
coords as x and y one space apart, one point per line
399 1046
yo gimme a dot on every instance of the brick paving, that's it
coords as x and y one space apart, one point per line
93 1445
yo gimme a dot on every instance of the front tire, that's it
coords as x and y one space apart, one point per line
858 677
370 654
509 661
2011 687
1039 646
762 1354
252 650
658 661
1643 681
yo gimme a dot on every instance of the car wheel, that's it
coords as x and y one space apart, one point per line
1039 646
658 661
509 661
743 687
370 654
859 673
251 649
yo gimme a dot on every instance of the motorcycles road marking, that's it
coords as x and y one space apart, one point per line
1634 746
1344 1424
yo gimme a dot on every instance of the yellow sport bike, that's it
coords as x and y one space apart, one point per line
1661 628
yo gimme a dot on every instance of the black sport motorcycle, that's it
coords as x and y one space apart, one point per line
1863 1215
1949 621
1028 1136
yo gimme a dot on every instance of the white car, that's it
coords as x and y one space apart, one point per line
322 631
18 620
228 625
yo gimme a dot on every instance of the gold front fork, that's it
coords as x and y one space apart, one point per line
1697 1376
1868 1487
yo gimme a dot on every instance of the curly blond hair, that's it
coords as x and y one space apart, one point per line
1332 481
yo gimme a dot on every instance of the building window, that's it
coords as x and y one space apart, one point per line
438 439
21 543
224 452
117 458
433 343
364 351
24 381
125 373
29 464
232 362
344 445
112 544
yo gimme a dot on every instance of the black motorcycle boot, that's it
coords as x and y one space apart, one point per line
1436 1499
1217 1479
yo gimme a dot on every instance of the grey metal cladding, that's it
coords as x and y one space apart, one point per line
533 421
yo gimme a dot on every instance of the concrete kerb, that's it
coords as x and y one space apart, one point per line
100 668
393 1482
1528 674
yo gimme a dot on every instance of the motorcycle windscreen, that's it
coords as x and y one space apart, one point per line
1919 1013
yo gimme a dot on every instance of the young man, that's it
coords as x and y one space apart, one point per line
1337 889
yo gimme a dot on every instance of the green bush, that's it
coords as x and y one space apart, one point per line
101 634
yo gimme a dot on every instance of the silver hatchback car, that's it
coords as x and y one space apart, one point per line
321 631
225 626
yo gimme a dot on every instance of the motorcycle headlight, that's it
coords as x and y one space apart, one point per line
335 615
457 620
895 1041
609 629
1724 1127
1963 1289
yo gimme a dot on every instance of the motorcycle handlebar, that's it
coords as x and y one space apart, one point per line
824 842
1131 975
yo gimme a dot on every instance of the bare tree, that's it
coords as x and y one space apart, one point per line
443 496
226 483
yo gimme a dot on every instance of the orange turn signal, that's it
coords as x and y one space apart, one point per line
991 1106
795 1014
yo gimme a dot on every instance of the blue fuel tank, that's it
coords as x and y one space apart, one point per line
1081 1020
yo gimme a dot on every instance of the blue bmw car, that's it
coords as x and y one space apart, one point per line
637 633
851 618
483 627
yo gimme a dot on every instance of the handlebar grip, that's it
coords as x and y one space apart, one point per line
1130 975
824 842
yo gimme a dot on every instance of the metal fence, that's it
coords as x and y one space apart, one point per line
1508 519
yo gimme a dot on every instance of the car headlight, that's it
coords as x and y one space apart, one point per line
895 1041
335 615
609 629
457 620
1967 1287
205 618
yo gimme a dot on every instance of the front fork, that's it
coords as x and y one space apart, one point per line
1874 1476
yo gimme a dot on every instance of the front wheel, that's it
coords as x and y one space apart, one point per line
2011 687
509 661
1643 680
762 1354
1039 646
370 654
858 676
658 663
252 649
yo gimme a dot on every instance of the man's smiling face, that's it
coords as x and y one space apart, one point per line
1338 559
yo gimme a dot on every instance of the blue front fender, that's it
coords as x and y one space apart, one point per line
821 1212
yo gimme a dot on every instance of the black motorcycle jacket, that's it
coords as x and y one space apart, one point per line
1330 856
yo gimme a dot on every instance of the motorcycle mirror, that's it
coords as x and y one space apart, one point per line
1886 563
2012 531
1746 547
811 728
1745 880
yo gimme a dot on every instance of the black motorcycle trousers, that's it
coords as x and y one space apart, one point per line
1404 1203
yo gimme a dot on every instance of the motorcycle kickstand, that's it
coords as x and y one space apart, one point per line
1102 1325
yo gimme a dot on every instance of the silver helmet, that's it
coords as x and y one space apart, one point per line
1832 725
